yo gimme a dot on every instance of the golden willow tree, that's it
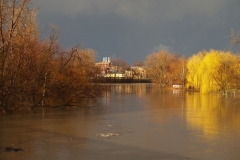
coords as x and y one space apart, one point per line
165 68
213 71
193 76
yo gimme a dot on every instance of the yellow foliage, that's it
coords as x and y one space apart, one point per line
193 77
208 69
212 71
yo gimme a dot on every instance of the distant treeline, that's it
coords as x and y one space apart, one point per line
206 71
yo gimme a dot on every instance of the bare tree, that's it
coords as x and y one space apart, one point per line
17 29
235 39
40 74
120 65
138 64
160 67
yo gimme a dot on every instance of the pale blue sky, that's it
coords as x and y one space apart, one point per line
133 29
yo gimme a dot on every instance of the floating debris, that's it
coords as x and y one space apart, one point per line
128 131
106 135
11 149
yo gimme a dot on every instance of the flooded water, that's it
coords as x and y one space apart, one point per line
133 121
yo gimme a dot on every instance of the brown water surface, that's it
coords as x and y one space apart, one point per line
134 121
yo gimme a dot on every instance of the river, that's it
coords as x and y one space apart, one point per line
132 122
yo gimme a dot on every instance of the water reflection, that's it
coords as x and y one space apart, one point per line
211 122
132 89
133 121
125 97
213 114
